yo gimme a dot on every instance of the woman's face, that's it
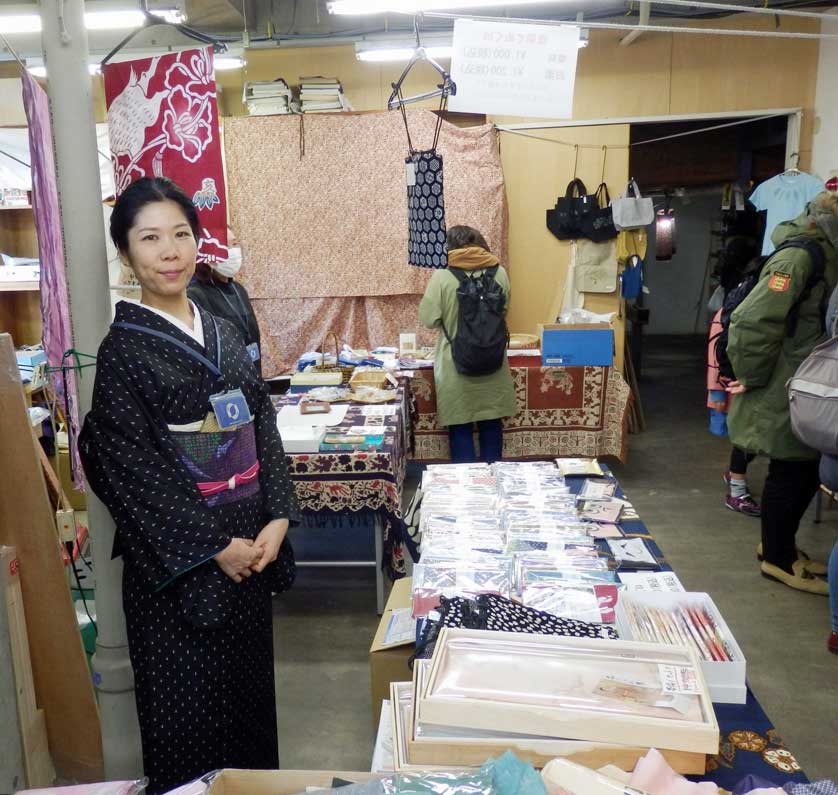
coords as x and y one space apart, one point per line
161 249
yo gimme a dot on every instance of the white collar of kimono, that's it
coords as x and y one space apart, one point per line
197 332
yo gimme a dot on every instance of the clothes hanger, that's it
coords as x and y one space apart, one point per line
218 45
794 170
444 90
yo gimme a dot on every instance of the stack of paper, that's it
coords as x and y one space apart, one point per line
322 95
267 97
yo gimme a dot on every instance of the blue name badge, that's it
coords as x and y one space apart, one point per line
230 408
253 352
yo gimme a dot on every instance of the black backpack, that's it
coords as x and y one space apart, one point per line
752 274
482 336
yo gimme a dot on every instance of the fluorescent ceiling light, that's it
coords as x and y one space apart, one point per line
392 53
358 7
120 19
41 70
225 63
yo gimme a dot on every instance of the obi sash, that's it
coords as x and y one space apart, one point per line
223 464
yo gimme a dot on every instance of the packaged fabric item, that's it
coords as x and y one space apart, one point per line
582 601
437 577
588 467
562 777
597 490
497 613
463 782
632 553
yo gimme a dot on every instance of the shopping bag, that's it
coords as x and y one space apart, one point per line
596 267
565 220
632 210
598 225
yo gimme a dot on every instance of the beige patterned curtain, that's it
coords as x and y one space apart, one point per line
320 209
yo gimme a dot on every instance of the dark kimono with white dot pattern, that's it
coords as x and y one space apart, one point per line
201 645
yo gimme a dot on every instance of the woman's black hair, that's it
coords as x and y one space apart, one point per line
465 237
146 191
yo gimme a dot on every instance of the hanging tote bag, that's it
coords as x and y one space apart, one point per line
631 210
598 225
566 219
596 267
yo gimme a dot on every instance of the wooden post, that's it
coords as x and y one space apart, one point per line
63 688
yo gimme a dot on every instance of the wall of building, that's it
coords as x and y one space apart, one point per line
677 298
825 143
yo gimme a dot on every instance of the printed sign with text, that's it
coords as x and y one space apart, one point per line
510 69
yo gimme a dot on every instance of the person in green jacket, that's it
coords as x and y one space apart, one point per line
463 400
765 350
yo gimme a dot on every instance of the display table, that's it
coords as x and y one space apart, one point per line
748 744
562 411
360 482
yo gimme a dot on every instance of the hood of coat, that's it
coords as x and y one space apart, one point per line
801 226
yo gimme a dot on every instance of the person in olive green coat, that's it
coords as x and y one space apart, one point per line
463 400
765 350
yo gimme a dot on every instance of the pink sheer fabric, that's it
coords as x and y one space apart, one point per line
55 299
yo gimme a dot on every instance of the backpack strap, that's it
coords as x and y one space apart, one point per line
458 273
817 256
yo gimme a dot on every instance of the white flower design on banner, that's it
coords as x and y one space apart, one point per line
187 123
163 121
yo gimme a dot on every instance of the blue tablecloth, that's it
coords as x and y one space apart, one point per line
749 744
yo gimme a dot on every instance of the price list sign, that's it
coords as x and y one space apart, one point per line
507 69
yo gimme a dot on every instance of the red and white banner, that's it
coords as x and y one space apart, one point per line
163 122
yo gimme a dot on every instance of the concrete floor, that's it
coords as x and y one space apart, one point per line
325 624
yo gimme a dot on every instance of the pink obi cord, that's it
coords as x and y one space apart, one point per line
239 479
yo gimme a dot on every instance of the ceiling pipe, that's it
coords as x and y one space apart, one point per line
643 19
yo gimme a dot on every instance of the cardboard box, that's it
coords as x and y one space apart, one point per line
725 680
389 663
279 782
577 345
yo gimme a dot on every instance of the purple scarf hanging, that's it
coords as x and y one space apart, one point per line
55 299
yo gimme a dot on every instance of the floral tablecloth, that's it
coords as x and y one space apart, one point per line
562 411
353 482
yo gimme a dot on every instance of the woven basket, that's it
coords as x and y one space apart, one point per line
344 369
375 376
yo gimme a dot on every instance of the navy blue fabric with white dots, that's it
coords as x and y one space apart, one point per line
201 645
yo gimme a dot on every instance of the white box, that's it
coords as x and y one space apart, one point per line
297 439
725 680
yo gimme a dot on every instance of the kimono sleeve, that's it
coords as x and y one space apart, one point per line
279 498
163 526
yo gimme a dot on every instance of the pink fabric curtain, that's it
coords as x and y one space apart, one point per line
319 205
54 295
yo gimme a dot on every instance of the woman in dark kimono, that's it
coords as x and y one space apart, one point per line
201 498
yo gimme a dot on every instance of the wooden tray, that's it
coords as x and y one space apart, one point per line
422 751
543 720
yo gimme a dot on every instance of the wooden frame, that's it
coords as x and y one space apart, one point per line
550 721
414 752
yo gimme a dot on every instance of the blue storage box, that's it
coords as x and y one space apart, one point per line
29 358
583 345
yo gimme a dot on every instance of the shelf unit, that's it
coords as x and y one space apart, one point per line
20 308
